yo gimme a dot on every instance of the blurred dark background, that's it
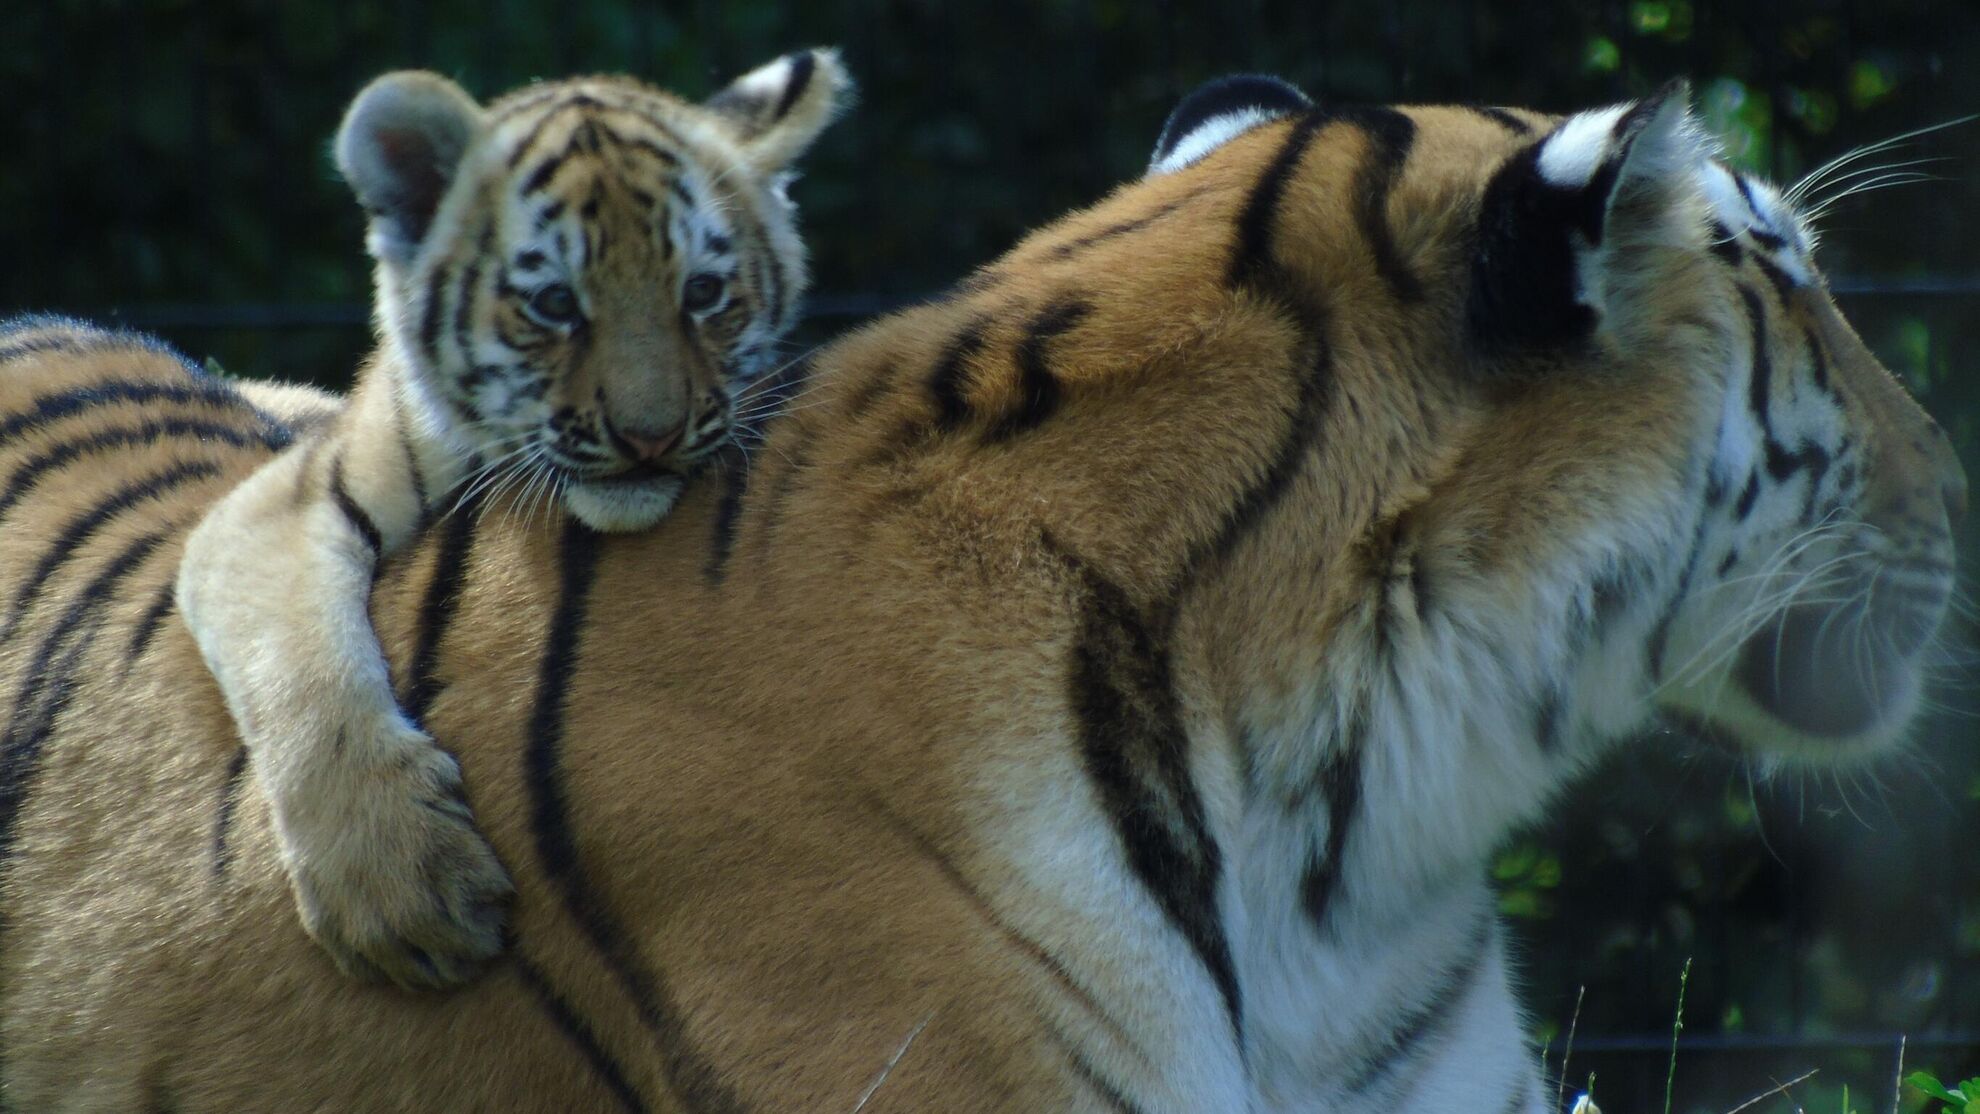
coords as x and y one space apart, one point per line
167 168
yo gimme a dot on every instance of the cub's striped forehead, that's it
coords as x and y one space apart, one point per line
538 133
570 153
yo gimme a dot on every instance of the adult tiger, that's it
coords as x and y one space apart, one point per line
1104 687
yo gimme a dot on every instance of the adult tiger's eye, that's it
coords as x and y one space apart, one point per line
701 292
555 304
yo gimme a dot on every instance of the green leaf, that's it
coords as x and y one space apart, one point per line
1927 1082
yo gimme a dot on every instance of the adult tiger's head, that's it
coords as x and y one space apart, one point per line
1666 473
574 275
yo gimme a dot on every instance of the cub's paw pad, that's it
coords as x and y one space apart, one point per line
393 879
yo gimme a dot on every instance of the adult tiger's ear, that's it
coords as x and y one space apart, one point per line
775 111
1574 226
400 147
1219 111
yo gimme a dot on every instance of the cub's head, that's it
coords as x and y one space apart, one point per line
577 275
1623 456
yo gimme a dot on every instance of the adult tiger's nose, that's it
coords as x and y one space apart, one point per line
647 446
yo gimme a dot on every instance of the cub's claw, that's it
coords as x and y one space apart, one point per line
389 873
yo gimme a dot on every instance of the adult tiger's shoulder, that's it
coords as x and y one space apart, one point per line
570 283
1108 684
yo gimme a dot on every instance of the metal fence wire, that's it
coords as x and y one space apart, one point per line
167 170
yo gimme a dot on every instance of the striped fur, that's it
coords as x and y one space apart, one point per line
570 283
1107 687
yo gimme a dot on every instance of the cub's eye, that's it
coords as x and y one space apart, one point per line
700 292
556 305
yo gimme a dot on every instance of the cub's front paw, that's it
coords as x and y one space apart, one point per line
390 875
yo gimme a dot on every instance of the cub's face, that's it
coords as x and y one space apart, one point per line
591 270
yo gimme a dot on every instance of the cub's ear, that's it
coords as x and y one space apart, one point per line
399 147
776 111
1575 226
1219 111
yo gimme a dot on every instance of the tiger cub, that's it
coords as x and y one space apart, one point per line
570 280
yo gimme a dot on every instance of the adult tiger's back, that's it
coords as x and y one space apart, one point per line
1105 689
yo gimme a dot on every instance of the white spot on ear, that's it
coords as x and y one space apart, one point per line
1210 135
1579 147
1722 192
766 82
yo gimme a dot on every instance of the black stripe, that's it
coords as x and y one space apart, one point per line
438 605
1518 1102
1818 360
1018 941
1760 235
49 342
549 167
1784 286
802 67
1315 395
1782 462
52 408
223 816
464 300
149 622
1339 782
1079 244
1748 495
580 1033
1547 721
31 333
32 470
1432 1017
359 519
1501 117
1391 135
85 526
432 312
1726 245
412 459
1136 754
692 1077
860 399
728 518
1038 388
1660 635
1251 256
1088 1074
51 681
946 383
646 146
1759 386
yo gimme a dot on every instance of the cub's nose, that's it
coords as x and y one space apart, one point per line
645 445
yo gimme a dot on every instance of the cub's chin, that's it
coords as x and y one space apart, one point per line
1819 684
620 505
